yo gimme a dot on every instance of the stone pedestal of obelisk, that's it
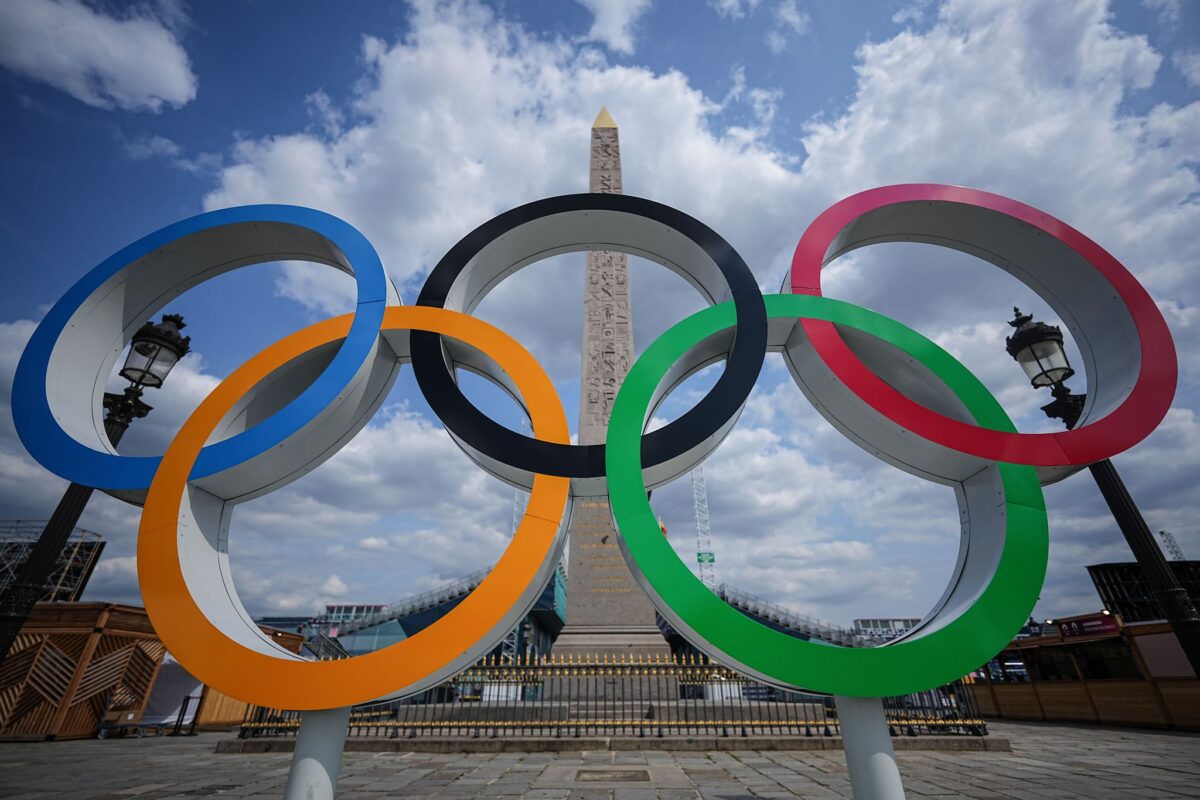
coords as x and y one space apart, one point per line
608 614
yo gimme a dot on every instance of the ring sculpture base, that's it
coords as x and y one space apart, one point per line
870 759
317 759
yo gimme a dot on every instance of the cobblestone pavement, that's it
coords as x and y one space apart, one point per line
1048 761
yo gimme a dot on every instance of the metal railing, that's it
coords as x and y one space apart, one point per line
323 647
417 602
798 623
630 697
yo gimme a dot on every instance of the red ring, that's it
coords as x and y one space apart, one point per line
1129 423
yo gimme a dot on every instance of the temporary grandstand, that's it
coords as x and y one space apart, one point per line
75 563
406 617
782 619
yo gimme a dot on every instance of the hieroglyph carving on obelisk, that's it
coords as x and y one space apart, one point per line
607 330
607 612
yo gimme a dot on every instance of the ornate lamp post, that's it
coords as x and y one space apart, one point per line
1038 348
153 352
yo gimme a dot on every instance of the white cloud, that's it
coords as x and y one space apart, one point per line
373 543
507 124
151 146
133 62
734 9
334 586
155 146
790 16
913 12
114 578
1167 11
776 42
1188 64
316 287
789 21
614 22
324 113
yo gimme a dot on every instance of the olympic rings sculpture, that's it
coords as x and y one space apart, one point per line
886 387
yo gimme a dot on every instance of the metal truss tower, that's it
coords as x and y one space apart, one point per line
705 557
1173 548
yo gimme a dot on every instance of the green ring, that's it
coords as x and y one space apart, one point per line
960 645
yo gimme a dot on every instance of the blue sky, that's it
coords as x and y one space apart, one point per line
417 122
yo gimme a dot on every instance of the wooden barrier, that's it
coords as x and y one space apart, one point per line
72 664
1159 691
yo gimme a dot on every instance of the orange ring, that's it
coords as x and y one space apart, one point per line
278 682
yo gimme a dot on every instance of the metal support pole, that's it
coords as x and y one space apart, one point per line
870 758
1177 606
317 759
30 583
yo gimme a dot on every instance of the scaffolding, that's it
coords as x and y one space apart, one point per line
75 563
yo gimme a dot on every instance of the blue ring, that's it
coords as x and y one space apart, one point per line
58 452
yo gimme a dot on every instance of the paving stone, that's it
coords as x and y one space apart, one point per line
1048 761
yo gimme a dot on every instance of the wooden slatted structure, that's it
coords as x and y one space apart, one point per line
73 664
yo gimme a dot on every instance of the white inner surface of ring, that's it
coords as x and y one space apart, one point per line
96 334
205 518
1079 294
976 482
576 231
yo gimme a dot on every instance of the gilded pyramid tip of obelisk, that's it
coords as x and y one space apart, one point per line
604 119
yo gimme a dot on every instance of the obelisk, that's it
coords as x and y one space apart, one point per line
607 612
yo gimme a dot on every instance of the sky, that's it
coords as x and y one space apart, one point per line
417 122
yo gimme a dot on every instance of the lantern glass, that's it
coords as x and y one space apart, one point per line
154 351
164 361
1045 363
140 365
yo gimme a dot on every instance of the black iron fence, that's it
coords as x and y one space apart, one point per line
630 697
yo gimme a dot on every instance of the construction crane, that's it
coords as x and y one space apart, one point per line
1173 548
705 557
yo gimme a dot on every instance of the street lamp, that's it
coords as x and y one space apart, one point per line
153 351
1038 348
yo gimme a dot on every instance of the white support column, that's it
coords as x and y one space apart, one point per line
317 759
869 754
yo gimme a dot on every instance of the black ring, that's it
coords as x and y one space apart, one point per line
715 409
